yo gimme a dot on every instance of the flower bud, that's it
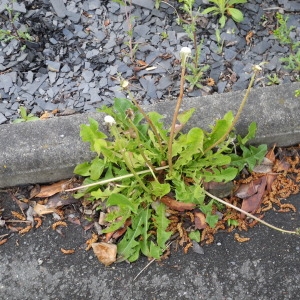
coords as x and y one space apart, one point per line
109 120
185 52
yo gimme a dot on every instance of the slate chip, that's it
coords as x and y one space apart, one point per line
83 44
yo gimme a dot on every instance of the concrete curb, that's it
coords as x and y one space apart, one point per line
45 151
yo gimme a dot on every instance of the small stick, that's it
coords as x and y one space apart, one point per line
152 260
250 215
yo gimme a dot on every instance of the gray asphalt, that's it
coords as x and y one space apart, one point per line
32 266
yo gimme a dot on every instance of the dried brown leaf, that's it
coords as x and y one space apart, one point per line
60 199
43 209
200 220
249 37
252 203
106 253
50 190
176 205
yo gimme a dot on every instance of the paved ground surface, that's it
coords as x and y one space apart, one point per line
266 267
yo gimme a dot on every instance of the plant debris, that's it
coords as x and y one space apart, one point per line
257 192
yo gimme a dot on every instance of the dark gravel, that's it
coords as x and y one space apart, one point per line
81 47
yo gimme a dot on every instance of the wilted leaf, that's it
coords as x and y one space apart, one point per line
43 209
270 179
176 205
246 190
252 203
106 253
49 190
58 200
219 189
142 63
271 155
264 167
35 191
200 222
249 37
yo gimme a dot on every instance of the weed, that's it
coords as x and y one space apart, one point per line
219 40
225 7
7 35
195 71
25 117
283 34
164 35
140 162
273 79
133 47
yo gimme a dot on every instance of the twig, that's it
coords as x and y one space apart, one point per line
152 260
17 221
250 215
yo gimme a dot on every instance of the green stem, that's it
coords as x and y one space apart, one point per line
236 118
172 132
250 215
149 164
129 166
106 181
148 120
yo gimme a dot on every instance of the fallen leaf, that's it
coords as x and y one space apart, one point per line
265 166
29 215
142 63
46 115
177 205
199 220
50 190
270 180
271 155
35 191
43 209
91 241
282 165
219 189
252 203
58 200
249 37
106 253
246 190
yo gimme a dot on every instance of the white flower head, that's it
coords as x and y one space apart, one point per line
185 52
109 120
